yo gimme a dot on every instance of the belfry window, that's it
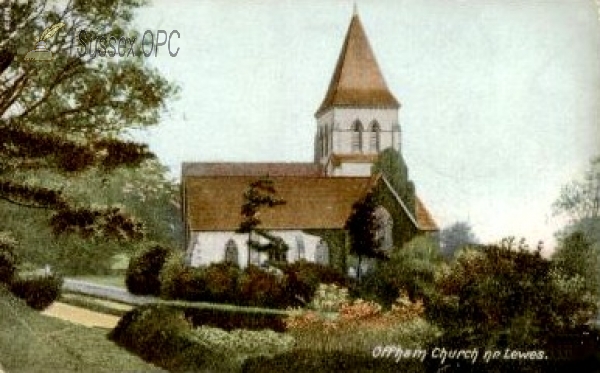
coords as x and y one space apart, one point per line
357 130
375 137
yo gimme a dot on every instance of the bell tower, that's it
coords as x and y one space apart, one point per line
358 117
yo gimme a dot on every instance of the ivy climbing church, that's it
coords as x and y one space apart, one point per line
357 131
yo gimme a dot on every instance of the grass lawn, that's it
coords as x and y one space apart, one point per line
112 280
31 343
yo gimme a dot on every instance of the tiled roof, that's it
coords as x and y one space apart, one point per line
251 169
426 222
214 202
357 80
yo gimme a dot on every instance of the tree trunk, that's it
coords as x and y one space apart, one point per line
358 269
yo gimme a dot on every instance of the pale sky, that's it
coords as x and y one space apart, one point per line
500 99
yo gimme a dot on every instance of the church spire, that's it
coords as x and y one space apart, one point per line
357 80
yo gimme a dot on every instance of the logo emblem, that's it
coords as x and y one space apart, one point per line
40 53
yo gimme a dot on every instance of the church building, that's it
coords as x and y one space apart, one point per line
357 133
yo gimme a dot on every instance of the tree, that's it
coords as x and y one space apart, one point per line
455 237
507 296
69 115
261 193
362 226
576 256
580 199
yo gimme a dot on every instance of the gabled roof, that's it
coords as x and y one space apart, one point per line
251 169
213 203
426 222
357 80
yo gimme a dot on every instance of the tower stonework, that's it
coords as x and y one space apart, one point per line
358 117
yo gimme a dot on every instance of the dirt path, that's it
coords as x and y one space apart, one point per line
81 316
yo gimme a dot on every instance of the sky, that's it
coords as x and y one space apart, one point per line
500 99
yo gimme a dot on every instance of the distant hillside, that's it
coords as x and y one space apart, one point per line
31 343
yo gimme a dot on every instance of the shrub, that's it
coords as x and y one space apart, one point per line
221 282
142 276
261 289
236 319
8 259
361 325
164 337
38 292
243 343
303 279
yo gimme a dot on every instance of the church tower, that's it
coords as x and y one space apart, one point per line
359 116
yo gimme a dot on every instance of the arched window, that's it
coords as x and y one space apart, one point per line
300 246
231 252
322 253
357 130
385 225
375 137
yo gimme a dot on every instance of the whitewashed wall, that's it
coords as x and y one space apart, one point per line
209 247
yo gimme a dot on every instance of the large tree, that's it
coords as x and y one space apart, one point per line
70 114
455 237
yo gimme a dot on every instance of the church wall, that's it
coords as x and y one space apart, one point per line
352 169
209 247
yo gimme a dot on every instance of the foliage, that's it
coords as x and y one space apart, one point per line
505 296
329 298
242 344
261 193
580 199
392 166
315 361
360 325
8 259
259 288
362 226
163 336
253 286
70 115
142 277
455 236
412 267
303 277
576 256
38 292
33 342
231 318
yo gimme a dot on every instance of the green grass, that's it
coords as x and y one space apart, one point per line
31 343
113 280
95 304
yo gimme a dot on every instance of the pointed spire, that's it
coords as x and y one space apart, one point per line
357 80
355 10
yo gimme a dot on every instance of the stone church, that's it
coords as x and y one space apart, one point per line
357 123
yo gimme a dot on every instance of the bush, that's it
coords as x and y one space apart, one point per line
243 343
163 336
303 279
221 282
259 288
8 259
236 319
142 276
38 292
